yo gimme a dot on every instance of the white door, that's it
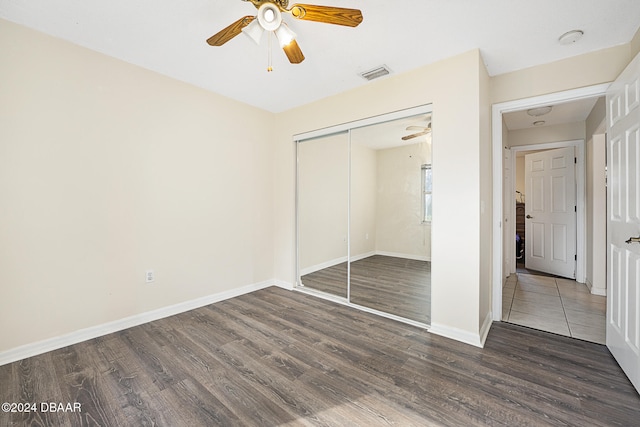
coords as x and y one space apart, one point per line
623 221
550 212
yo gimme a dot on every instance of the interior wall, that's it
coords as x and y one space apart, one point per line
635 44
452 86
399 229
364 201
323 201
596 199
537 135
590 69
107 170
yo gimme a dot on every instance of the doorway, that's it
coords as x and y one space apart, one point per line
504 261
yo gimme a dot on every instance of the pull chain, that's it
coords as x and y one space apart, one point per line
269 64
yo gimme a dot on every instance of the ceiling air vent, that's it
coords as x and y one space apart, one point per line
383 70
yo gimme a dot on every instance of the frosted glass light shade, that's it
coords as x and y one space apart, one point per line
285 35
254 31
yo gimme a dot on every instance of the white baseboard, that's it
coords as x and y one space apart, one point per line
75 337
595 291
322 265
363 256
486 326
457 334
336 261
405 256
284 285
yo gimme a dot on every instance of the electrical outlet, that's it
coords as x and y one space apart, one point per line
149 276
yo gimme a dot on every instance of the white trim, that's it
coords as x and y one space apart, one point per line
405 256
284 285
596 291
323 265
363 256
81 335
354 258
344 127
496 153
486 326
457 334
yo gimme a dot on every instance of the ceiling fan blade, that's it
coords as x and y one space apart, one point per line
229 32
327 14
420 128
415 135
293 52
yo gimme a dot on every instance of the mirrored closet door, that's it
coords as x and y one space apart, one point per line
364 214
323 218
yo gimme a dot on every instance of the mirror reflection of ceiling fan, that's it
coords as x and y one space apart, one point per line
422 130
269 19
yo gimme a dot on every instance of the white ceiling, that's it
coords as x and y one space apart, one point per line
568 112
169 36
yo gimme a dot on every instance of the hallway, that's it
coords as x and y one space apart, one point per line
554 304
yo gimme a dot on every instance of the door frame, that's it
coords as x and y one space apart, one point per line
497 110
581 195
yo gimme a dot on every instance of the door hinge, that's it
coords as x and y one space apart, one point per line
575 209
575 257
575 160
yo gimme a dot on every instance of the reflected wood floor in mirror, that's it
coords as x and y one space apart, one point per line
394 285
276 357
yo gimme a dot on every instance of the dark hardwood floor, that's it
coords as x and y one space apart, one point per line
277 357
393 285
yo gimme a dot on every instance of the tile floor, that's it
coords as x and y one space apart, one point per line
557 305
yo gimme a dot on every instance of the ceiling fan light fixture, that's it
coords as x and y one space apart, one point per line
539 123
254 31
539 111
285 35
269 16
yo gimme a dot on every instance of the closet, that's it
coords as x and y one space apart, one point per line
363 203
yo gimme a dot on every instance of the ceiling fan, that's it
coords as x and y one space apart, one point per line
269 19
422 130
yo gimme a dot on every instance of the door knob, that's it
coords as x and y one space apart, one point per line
633 240
529 217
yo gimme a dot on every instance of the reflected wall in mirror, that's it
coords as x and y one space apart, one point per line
323 200
390 221
364 223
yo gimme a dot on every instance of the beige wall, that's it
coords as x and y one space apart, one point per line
323 202
400 231
107 170
537 135
364 200
590 69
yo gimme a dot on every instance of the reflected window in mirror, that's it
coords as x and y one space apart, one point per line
426 192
